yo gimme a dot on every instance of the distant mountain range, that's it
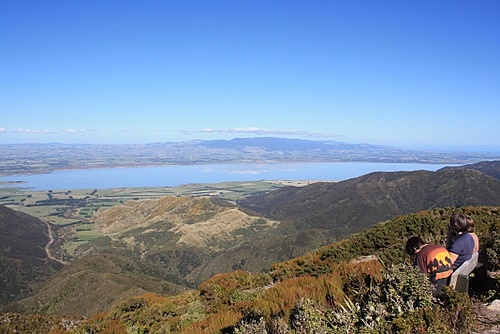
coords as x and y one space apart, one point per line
42 158
167 245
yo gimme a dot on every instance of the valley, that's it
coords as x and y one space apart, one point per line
101 247
69 213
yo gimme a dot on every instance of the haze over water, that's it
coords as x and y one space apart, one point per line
170 176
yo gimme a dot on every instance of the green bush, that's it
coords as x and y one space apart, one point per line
306 318
253 326
401 302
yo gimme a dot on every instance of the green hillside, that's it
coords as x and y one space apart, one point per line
23 260
175 249
359 202
363 284
172 243
149 246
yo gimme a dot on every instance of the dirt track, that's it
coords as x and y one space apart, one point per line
47 246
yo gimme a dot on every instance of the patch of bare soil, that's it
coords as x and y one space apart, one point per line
487 319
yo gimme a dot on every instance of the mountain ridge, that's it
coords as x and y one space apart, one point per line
309 217
490 168
378 195
364 283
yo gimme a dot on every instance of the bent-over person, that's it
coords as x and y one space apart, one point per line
433 260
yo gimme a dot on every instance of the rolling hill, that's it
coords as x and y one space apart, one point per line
177 242
491 168
321 213
359 202
362 284
151 245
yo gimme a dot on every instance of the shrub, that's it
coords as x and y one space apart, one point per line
306 318
253 326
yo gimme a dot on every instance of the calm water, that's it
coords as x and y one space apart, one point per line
166 176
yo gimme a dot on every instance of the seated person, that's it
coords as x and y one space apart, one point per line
470 223
433 260
460 243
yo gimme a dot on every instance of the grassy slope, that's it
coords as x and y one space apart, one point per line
23 261
359 202
307 276
329 278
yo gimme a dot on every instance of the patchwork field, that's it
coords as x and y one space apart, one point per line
70 212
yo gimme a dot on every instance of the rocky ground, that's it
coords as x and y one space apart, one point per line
488 318
487 313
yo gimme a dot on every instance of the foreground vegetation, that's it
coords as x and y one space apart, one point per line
363 284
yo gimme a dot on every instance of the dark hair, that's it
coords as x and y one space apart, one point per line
459 222
470 223
413 244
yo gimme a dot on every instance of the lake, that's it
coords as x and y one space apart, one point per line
169 176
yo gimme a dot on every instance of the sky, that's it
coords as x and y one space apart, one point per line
410 74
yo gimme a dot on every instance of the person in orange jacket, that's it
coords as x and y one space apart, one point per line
433 260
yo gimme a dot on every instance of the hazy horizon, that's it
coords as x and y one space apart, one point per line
435 148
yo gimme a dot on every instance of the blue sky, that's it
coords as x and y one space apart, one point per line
419 74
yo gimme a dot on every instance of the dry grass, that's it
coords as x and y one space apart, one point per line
197 221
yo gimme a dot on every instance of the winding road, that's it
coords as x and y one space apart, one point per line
47 247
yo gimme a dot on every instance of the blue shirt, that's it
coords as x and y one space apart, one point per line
463 246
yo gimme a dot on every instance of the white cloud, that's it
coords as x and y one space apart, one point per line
28 131
3 129
266 131
76 130
46 131
33 131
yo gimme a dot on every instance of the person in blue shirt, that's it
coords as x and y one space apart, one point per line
459 243
470 221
